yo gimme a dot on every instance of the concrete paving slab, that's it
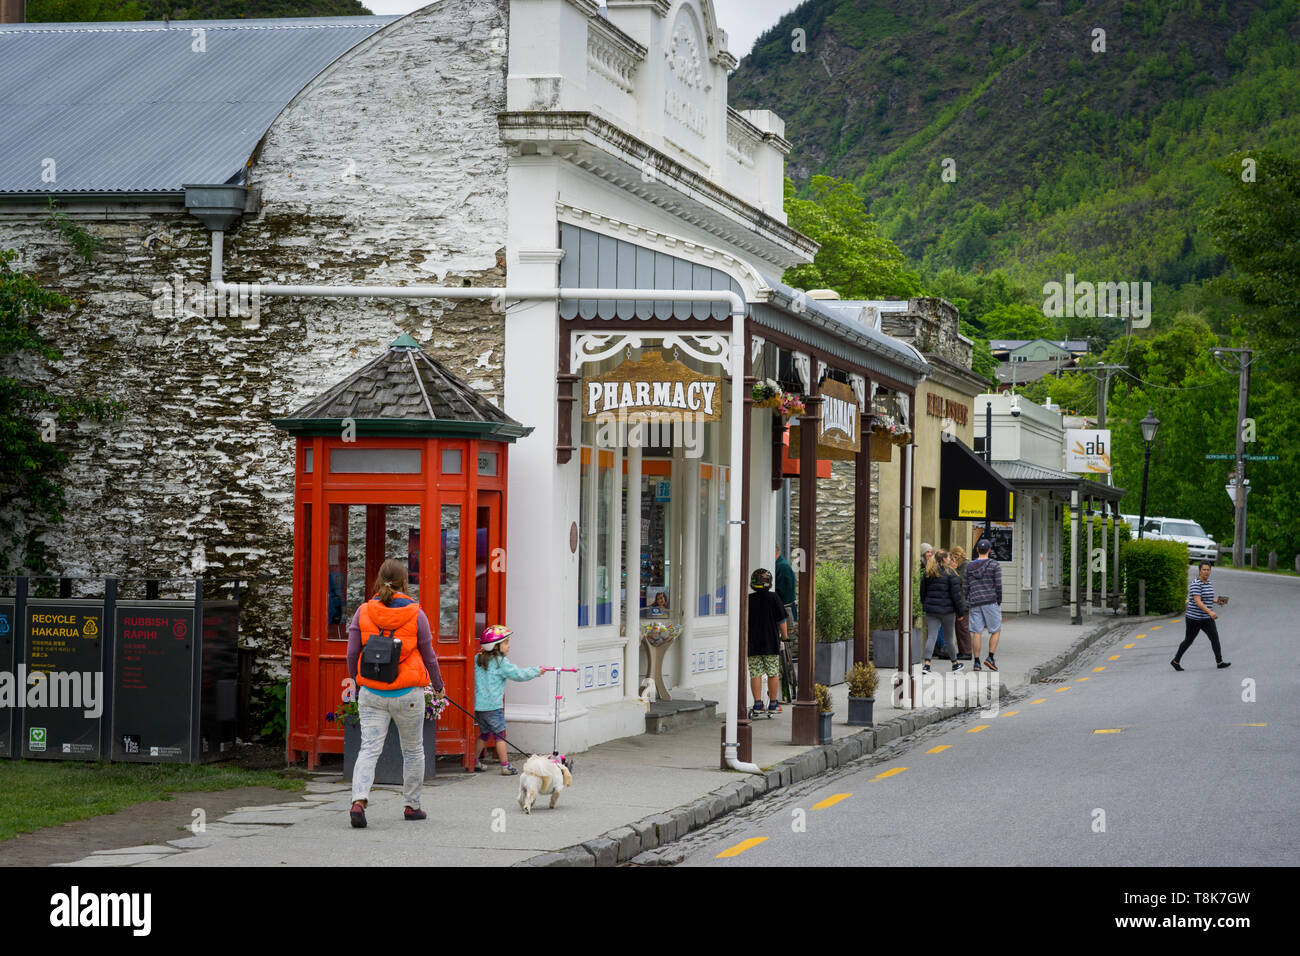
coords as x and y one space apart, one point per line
146 848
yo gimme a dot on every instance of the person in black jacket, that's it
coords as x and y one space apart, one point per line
943 602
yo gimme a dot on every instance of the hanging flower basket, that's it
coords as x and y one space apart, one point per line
768 394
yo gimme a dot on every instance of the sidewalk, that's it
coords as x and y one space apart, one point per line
629 796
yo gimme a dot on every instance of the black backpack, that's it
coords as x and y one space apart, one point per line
380 657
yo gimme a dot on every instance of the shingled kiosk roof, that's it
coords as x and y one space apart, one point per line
406 393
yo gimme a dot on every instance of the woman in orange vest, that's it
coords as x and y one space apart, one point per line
402 700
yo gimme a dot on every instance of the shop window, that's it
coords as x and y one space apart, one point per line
598 564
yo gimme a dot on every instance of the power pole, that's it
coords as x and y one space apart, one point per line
1103 387
1241 359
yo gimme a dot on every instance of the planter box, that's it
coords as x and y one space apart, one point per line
824 734
860 711
884 647
832 662
389 768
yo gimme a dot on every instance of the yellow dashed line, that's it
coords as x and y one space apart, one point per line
1156 627
1062 689
977 729
1080 678
1039 701
1102 668
740 848
1129 646
831 801
1139 637
888 773
1011 713
1111 730
1252 725
939 749
1113 657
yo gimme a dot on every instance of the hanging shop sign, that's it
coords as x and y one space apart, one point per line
839 430
1087 450
652 390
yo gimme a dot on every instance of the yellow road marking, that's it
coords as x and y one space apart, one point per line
1011 713
1139 637
831 801
977 729
1102 668
1129 646
1080 678
939 749
1114 657
1061 689
888 773
1111 730
1039 701
1253 725
740 848
1156 627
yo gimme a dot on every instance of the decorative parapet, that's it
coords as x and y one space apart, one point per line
743 139
613 54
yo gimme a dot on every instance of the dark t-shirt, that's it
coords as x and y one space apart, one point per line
766 612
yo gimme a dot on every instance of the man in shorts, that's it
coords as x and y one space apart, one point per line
983 587
767 629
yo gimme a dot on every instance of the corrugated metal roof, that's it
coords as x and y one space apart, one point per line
1028 473
135 107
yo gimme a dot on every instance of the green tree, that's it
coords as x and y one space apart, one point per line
1013 321
854 259
83 11
31 417
1256 225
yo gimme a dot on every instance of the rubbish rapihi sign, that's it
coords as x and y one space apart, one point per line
652 390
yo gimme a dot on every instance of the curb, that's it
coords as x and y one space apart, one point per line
653 833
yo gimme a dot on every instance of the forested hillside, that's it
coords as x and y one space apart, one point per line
1066 149
99 11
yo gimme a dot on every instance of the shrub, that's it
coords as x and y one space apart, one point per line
863 680
883 588
1163 564
823 695
1125 535
834 585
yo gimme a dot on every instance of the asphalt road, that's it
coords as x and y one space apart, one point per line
1121 762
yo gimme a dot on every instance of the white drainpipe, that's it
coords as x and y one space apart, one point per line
737 304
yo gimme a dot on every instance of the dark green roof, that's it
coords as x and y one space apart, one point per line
404 392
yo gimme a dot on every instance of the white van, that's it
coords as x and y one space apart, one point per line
1200 546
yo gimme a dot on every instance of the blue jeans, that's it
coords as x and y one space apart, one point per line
407 712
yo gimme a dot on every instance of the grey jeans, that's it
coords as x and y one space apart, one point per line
949 622
407 712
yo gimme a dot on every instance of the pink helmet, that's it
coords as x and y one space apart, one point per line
494 635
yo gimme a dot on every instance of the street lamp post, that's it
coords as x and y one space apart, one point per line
1150 425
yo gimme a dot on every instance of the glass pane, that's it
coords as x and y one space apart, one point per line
584 499
347 567
481 558
375 461
721 528
604 539
487 463
402 541
656 599
304 573
449 577
307 465
451 461
703 537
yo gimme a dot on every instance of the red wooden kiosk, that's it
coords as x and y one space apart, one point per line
399 460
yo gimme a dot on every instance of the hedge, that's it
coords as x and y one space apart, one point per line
834 582
1163 564
1125 535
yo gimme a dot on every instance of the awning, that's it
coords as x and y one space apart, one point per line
969 489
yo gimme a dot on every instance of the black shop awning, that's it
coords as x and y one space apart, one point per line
969 489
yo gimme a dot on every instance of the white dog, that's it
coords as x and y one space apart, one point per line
542 775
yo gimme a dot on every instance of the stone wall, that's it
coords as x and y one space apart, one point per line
386 169
931 325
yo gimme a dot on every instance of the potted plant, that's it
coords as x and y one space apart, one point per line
834 618
824 713
389 768
862 693
883 615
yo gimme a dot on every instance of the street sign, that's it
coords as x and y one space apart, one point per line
1232 491
1244 457
1220 457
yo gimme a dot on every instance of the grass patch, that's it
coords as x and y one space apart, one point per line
42 793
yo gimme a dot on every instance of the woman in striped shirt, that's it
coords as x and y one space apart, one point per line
1200 596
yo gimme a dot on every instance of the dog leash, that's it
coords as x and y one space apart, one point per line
475 720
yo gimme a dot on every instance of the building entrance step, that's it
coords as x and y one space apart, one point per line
665 716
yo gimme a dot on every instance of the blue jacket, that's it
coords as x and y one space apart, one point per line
490 682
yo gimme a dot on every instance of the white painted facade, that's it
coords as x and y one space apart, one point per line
620 126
